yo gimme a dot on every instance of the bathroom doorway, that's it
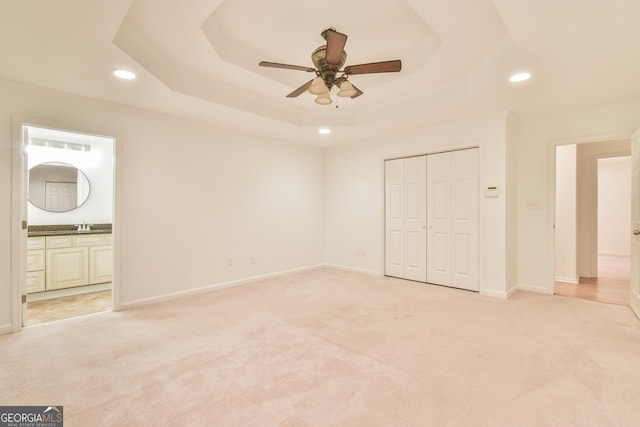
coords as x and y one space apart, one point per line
69 192
592 219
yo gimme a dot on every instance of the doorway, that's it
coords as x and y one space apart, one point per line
592 219
68 203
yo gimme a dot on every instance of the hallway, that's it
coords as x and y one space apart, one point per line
612 286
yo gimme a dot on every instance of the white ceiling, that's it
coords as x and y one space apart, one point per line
198 58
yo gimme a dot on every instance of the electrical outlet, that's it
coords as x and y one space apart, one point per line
253 260
229 261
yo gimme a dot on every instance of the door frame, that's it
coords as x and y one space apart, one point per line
551 191
19 208
635 225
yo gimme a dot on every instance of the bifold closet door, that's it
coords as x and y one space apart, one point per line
405 218
452 219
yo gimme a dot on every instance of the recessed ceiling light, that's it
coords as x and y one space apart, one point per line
324 131
520 77
124 74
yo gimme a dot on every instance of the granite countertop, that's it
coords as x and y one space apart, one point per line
60 230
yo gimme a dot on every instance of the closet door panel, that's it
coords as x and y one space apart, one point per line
405 218
439 218
465 220
452 200
416 219
394 218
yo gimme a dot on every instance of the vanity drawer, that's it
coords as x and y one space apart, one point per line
35 281
54 242
89 240
35 260
36 242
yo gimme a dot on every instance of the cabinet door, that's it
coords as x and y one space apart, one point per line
100 264
67 267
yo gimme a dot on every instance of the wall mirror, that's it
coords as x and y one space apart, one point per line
57 187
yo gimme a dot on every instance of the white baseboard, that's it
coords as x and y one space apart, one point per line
495 294
217 286
616 254
536 289
354 269
6 329
572 280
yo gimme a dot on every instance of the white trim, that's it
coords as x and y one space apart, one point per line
596 137
616 254
499 294
115 221
496 294
535 289
563 279
18 214
355 269
209 288
6 329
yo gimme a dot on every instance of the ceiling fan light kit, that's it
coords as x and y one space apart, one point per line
328 61
318 87
324 99
346 90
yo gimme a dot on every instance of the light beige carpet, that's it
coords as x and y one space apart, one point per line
332 348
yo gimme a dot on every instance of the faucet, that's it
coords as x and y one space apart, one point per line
84 227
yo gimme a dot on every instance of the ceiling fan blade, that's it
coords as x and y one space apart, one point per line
335 46
286 66
300 90
375 67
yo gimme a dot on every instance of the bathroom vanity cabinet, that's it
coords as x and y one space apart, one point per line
66 261
35 264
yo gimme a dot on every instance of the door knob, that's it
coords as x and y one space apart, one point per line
636 232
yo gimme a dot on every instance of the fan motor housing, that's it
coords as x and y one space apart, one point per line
327 72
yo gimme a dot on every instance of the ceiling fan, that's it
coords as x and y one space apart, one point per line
328 60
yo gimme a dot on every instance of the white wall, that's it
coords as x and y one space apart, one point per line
614 206
566 257
355 196
536 141
189 195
